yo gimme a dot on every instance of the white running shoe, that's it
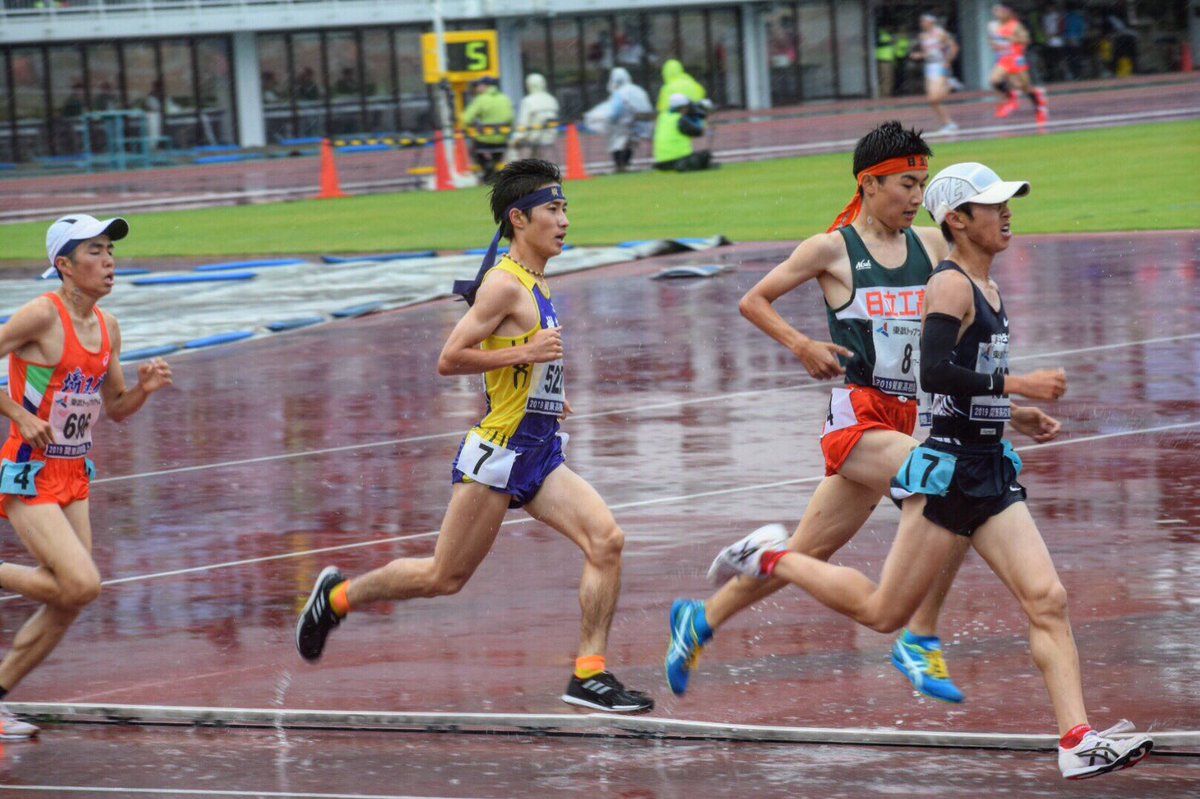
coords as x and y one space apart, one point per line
1099 753
947 129
745 556
13 729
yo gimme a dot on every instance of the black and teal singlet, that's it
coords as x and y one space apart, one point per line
881 322
963 418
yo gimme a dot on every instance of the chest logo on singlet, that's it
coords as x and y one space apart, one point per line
862 265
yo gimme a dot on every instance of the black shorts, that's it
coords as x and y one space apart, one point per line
964 486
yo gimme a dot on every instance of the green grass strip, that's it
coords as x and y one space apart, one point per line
1138 177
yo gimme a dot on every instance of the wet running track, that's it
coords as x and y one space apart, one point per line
218 504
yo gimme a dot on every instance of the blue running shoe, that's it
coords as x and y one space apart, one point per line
686 642
919 658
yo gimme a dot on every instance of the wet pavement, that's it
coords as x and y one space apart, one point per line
219 503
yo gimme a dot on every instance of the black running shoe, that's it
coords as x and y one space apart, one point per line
605 692
318 618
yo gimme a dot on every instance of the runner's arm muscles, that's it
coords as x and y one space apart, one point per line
949 301
494 302
811 258
26 326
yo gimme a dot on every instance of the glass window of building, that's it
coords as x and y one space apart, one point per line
567 81
378 84
29 99
416 110
217 114
172 107
727 85
276 76
345 80
66 98
817 58
631 50
308 84
852 53
783 49
599 57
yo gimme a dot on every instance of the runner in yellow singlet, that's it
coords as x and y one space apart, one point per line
514 456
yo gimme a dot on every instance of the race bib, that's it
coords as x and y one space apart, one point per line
71 418
992 359
18 478
897 355
926 471
547 394
485 461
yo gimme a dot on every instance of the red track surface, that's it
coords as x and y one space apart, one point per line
686 416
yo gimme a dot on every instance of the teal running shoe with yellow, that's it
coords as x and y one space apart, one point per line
919 658
689 633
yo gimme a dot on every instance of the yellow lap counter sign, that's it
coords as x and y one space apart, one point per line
470 55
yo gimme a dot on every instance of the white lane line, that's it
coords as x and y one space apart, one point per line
458 433
641 503
84 789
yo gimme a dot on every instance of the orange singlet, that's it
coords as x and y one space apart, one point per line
1013 57
67 395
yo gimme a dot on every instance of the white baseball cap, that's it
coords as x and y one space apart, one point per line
67 231
968 183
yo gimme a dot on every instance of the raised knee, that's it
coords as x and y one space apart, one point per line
80 591
448 584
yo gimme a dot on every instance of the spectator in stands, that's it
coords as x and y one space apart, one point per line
487 121
1074 35
306 85
678 125
74 105
537 116
157 105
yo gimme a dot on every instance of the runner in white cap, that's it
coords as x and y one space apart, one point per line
960 488
64 368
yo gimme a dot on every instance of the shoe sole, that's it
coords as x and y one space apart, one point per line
900 667
25 737
1127 760
574 700
312 597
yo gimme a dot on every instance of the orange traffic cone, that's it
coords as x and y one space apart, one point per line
575 167
330 190
462 161
443 180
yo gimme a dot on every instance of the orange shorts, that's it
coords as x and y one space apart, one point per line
61 481
1014 64
855 409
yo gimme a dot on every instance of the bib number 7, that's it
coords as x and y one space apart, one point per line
485 461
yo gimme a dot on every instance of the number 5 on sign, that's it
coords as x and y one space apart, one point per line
470 55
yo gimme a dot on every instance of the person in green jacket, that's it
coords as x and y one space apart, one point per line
682 121
676 80
488 111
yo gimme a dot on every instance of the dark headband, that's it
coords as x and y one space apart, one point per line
467 288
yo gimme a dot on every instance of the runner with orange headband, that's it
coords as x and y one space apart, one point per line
872 266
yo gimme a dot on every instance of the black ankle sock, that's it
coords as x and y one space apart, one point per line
3 693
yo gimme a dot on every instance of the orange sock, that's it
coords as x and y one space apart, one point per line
338 600
589 666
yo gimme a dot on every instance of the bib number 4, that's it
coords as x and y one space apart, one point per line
19 478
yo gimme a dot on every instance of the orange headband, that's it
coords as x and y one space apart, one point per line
892 166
